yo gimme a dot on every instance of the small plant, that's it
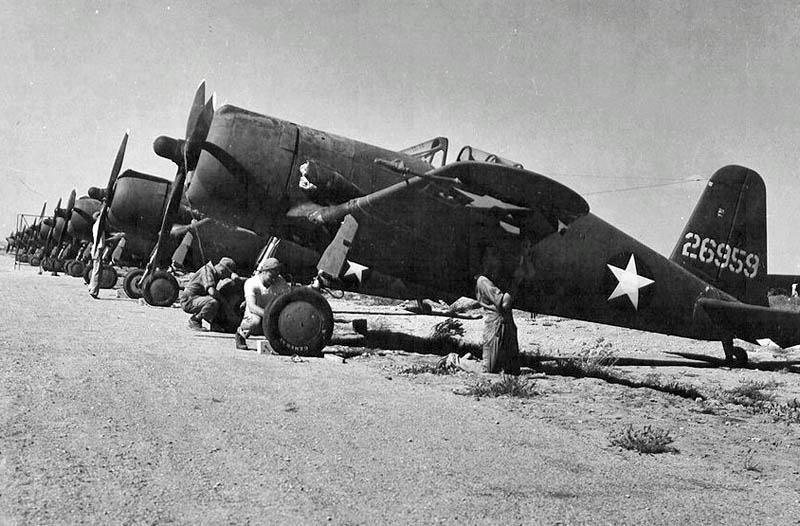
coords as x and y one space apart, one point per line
429 368
508 385
749 463
596 362
749 393
449 328
648 439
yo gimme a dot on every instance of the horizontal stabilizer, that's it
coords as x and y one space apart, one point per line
754 322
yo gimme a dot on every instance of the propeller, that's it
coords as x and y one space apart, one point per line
184 153
36 232
54 224
107 195
67 217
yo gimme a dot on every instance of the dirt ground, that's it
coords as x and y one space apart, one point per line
113 412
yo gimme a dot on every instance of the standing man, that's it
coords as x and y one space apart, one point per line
200 297
97 256
259 292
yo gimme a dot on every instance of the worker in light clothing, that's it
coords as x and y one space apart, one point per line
97 255
260 291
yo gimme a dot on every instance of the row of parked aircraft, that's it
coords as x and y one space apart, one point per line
407 224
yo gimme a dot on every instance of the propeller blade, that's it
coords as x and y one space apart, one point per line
194 127
70 205
41 215
170 213
117 166
67 217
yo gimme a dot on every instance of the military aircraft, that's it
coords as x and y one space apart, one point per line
133 205
406 229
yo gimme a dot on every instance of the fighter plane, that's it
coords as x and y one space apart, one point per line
407 229
132 207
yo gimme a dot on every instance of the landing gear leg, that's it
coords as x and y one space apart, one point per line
734 355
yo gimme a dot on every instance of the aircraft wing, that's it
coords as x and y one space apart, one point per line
753 322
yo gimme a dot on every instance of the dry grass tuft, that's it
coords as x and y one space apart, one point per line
508 385
449 328
439 368
595 362
749 393
645 440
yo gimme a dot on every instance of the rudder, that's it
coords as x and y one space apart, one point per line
725 240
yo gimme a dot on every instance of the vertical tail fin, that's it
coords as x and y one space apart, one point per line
725 240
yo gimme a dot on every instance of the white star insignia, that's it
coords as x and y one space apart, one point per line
354 269
628 282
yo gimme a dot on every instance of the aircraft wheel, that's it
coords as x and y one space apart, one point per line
108 276
132 285
299 322
160 289
34 261
58 265
23 258
87 272
76 268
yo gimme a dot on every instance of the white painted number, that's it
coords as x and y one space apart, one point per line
719 254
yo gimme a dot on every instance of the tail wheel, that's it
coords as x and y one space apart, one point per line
132 285
160 289
108 276
299 322
76 268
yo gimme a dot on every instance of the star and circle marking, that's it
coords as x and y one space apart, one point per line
629 282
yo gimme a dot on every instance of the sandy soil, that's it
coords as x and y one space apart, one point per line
115 413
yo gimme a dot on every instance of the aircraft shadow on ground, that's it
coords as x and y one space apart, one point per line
397 341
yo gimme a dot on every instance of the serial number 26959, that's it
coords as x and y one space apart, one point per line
720 254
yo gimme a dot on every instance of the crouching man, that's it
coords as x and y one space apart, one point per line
200 297
259 293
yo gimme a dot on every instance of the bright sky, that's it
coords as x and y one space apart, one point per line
601 96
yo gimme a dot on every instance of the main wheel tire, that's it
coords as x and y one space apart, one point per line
160 289
87 272
58 265
299 322
132 285
76 268
108 276
34 261
47 263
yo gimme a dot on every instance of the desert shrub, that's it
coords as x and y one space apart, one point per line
644 440
449 328
429 368
749 462
508 385
749 393
596 362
